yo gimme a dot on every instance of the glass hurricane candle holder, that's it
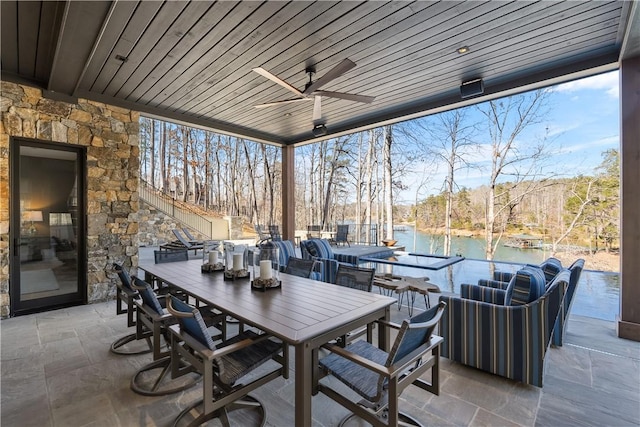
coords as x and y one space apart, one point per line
266 267
212 260
235 260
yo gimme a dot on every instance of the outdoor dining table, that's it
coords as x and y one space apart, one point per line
303 313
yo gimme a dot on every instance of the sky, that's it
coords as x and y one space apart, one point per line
582 123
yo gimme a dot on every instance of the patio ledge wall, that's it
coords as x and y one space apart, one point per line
111 137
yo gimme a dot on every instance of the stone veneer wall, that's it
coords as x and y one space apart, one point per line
155 226
111 137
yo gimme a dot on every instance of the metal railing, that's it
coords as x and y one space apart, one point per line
175 208
361 234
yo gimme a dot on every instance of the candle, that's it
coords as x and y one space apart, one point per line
213 257
265 269
237 262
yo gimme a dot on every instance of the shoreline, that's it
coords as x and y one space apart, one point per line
599 261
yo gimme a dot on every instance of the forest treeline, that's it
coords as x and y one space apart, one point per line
357 178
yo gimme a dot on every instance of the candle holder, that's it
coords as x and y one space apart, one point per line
212 260
266 268
235 260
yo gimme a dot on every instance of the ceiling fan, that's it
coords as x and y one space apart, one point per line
312 92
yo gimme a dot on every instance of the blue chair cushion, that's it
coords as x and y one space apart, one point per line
362 380
551 267
320 248
526 286
285 250
124 276
195 325
148 296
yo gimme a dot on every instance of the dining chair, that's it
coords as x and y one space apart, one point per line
342 234
225 367
161 257
274 232
300 267
152 322
125 297
380 377
356 278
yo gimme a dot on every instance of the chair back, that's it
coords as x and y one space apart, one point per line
527 285
313 231
415 332
342 232
299 267
355 277
181 238
550 267
149 298
190 236
190 321
125 278
274 232
286 249
161 257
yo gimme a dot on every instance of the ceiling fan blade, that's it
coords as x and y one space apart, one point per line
277 80
284 101
333 73
317 109
349 96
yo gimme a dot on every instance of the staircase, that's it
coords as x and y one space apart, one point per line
180 211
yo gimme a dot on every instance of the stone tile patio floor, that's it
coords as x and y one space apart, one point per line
57 371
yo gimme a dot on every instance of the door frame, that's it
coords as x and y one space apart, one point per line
18 307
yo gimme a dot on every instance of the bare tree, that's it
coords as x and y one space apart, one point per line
507 119
451 142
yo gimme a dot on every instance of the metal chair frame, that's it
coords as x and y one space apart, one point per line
394 376
219 398
125 304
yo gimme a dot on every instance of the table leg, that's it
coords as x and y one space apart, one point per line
303 384
384 333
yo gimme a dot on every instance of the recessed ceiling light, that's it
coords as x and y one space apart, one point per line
463 49
287 114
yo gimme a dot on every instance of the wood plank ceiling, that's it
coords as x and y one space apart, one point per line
193 61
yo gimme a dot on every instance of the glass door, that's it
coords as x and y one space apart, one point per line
47 226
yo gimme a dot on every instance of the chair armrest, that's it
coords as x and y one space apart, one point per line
355 358
389 324
482 293
497 284
209 354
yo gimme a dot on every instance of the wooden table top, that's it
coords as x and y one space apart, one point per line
300 310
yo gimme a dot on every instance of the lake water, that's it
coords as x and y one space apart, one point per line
598 293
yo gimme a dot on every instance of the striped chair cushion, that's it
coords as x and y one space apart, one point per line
286 250
497 284
551 267
320 248
526 286
482 293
